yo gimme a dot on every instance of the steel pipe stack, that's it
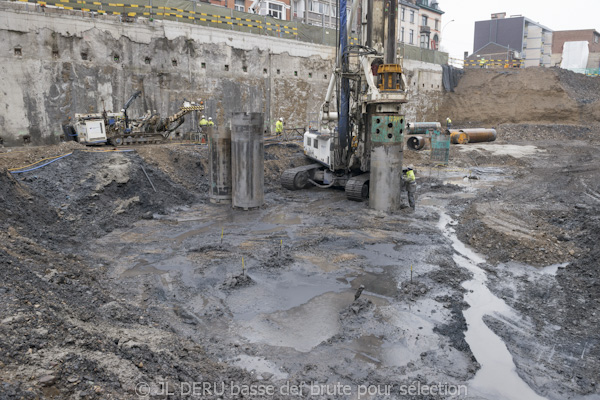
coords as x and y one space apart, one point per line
247 160
387 142
219 162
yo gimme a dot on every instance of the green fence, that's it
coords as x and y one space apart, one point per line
440 148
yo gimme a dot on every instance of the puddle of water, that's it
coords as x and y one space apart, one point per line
301 328
270 230
553 269
142 268
380 352
289 289
382 254
282 219
180 238
383 284
517 151
260 365
497 377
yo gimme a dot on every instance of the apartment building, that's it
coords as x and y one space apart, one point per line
420 23
531 41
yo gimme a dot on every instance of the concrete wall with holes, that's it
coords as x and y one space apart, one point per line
54 65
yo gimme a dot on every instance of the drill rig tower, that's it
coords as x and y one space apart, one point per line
360 140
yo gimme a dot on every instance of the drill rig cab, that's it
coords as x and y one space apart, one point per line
358 145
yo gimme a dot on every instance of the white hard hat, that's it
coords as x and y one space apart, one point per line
210 118
281 119
203 116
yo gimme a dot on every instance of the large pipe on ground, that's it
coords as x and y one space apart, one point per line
247 160
415 142
421 128
219 163
480 135
458 137
476 135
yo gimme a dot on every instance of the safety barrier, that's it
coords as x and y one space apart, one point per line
494 63
587 71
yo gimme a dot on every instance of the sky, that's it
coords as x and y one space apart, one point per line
557 15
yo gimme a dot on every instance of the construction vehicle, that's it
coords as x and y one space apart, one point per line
366 117
119 129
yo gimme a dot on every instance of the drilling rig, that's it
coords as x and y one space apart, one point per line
359 142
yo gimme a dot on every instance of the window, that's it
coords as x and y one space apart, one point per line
239 5
308 141
402 34
424 41
276 11
596 39
437 24
319 8
412 16
403 13
424 20
411 36
316 144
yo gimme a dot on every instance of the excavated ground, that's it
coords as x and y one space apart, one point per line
117 284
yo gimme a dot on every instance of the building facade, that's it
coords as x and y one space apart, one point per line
559 38
420 23
280 9
531 41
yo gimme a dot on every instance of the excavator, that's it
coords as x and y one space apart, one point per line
359 141
119 129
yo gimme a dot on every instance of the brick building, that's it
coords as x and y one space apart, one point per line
583 35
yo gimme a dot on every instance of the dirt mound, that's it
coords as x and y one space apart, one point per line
523 96
92 193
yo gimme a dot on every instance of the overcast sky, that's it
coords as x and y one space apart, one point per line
558 15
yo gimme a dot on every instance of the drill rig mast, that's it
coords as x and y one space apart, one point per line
359 142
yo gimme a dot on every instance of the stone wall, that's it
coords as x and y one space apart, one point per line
54 65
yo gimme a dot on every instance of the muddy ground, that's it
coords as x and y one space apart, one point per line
112 290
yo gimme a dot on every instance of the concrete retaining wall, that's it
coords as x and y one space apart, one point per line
55 65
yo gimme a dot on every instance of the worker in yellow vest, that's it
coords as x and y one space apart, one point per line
410 184
203 122
210 122
279 127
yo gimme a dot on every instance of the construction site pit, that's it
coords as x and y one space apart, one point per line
120 279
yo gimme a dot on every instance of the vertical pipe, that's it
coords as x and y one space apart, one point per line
344 112
247 160
219 163
387 142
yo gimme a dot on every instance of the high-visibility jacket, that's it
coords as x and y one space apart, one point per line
278 127
448 122
203 122
210 123
410 176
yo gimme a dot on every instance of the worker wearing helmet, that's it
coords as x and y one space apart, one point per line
279 127
203 121
410 184
448 123
210 122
